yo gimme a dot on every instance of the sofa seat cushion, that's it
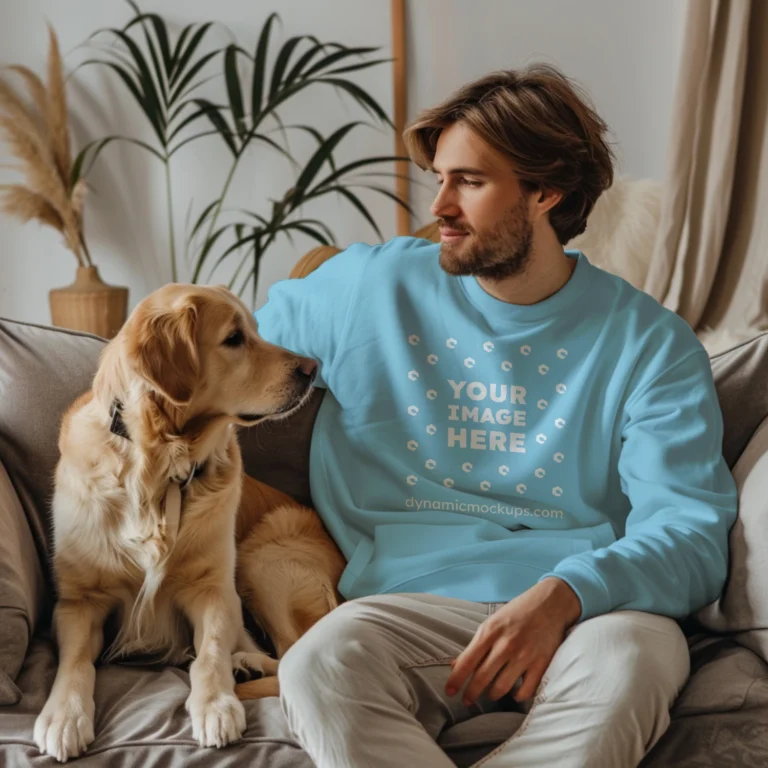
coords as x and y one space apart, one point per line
141 720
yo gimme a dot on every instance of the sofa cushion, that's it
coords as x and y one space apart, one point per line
743 606
277 452
720 717
21 588
42 370
141 720
741 379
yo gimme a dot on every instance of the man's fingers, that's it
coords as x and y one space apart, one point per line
506 680
466 663
485 673
531 680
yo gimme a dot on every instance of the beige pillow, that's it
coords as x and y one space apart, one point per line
621 230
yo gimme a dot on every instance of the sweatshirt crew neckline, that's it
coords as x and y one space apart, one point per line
554 305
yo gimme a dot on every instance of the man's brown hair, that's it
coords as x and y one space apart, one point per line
544 123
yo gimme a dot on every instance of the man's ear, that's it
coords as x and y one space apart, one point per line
547 199
165 351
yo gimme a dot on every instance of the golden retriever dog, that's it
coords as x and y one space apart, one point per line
147 492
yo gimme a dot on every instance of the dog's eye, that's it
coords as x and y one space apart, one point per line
235 339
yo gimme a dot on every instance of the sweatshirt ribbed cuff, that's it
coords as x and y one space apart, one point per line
589 588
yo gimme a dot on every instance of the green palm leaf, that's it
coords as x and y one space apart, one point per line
181 89
362 97
321 155
213 113
234 91
358 164
260 66
357 67
253 248
357 203
185 56
386 192
281 63
210 241
337 56
160 69
306 57
161 32
92 150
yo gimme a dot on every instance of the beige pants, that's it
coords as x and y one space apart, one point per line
365 687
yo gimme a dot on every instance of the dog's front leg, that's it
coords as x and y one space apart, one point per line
64 728
217 716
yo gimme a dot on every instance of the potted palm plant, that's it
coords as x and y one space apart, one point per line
162 72
53 192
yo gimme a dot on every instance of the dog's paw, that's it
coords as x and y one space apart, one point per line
216 721
64 729
251 666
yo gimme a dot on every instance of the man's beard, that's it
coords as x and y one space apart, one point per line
500 253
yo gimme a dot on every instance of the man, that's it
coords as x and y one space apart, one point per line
518 453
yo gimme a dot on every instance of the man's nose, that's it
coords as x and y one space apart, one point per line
444 205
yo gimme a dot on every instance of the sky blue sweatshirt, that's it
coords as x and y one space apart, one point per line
470 447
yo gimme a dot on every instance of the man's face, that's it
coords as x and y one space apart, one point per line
485 224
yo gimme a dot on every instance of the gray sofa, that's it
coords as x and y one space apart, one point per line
720 719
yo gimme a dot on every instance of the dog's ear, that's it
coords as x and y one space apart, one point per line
166 351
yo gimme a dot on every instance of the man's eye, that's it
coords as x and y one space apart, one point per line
235 339
470 182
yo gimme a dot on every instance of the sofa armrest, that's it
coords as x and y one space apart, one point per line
311 260
430 232
21 588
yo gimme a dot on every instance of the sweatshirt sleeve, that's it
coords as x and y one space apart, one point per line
309 315
673 558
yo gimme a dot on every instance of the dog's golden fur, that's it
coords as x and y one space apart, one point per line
288 569
129 539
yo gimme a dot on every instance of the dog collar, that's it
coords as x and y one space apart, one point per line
117 427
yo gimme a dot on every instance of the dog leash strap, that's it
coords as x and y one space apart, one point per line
192 475
172 511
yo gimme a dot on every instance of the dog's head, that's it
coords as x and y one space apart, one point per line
198 348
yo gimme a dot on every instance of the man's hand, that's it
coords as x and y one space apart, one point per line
519 639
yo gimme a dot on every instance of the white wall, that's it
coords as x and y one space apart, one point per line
625 54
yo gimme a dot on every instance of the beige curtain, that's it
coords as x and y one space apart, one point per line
710 261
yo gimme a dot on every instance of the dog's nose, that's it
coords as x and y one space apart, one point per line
306 368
